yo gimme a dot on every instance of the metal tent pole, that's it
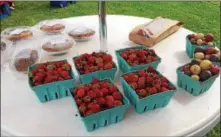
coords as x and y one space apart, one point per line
102 25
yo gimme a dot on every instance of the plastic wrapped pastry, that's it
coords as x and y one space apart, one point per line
81 33
17 33
153 32
23 59
57 45
52 26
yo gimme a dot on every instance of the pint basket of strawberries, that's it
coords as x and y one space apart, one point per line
99 103
198 40
98 65
51 80
197 76
147 89
135 58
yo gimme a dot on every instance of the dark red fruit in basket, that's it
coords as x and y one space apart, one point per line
138 56
87 99
210 51
99 93
117 103
96 61
94 107
112 89
83 108
149 79
214 70
91 94
209 37
78 101
204 75
142 93
153 90
133 85
101 101
199 49
141 83
80 93
141 73
89 112
94 81
163 89
109 101
117 96
150 69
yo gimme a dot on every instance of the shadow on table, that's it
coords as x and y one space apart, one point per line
181 56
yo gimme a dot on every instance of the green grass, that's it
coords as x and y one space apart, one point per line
197 16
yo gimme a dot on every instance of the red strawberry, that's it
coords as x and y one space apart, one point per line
95 86
64 74
141 73
133 85
95 80
149 79
91 94
141 82
37 83
113 89
163 79
126 77
108 66
117 96
66 66
89 112
87 99
117 103
94 107
33 73
86 88
80 93
171 87
154 58
105 85
134 78
153 90
99 93
105 91
124 56
163 89
107 58
132 57
78 101
100 65
101 101
164 84
91 59
150 69
142 93
157 86
82 108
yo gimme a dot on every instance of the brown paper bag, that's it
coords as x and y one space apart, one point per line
153 32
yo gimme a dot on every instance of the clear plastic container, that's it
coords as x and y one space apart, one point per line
6 51
53 26
81 33
22 58
19 33
58 45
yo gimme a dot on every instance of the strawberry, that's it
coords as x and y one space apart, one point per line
105 85
105 91
117 96
88 112
109 98
157 86
99 93
142 93
163 89
33 73
80 93
87 99
66 67
164 84
124 56
94 107
91 59
132 57
150 69
133 85
64 74
107 58
82 107
91 94
141 73
100 65
126 77
95 86
170 87
141 82
163 79
95 80
108 66
37 83
134 78
117 103
78 101
154 59
149 79
113 89
153 90
101 101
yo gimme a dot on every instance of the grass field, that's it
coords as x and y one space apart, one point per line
197 16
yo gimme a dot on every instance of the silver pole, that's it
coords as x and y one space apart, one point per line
102 25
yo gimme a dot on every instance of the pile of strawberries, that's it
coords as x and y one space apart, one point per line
96 96
139 56
87 63
147 82
50 72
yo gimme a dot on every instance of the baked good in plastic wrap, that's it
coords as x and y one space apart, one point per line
22 59
81 33
6 51
17 33
151 33
58 45
52 26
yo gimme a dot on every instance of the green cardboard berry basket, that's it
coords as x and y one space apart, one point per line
148 103
103 118
190 48
101 74
125 67
53 90
192 86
